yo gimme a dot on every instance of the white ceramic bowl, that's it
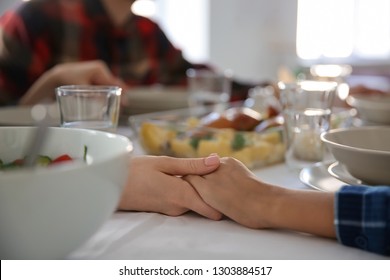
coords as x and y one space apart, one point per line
47 212
364 151
373 108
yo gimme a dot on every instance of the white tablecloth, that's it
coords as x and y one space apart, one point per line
143 236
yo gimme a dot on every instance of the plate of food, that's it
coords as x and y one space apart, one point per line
235 131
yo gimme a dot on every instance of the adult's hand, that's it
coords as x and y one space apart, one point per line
155 184
237 193
234 191
75 73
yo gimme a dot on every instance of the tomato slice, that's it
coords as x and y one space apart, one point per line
18 162
61 158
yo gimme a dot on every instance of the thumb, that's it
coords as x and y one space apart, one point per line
189 166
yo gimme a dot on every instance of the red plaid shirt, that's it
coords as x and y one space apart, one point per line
40 34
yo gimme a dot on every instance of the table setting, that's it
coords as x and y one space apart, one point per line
143 235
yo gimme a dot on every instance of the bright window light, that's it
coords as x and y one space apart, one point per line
186 24
343 29
373 26
145 8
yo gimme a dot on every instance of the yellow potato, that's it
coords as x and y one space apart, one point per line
182 148
192 122
272 137
261 151
154 138
219 145
277 154
226 133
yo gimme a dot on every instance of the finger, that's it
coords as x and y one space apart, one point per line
103 76
186 198
195 203
198 183
186 166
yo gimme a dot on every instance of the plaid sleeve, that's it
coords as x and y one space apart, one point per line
362 218
19 54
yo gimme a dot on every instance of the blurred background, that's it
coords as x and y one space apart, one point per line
262 39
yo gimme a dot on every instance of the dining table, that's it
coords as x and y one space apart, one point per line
152 236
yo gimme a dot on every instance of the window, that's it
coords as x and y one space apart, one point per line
349 29
186 24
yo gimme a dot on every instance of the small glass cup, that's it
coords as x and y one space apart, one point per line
90 107
208 88
307 108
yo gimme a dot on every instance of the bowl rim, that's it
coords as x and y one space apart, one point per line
369 101
74 165
324 138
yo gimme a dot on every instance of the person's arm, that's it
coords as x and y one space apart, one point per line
362 218
75 73
15 58
359 216
155 185
237 193
27 74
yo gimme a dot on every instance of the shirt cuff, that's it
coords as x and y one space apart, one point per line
362 218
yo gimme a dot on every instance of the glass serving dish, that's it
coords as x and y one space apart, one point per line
255 139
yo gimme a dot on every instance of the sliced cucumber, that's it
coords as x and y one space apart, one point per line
43 161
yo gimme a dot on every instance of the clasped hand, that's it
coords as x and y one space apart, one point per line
156 184
209 186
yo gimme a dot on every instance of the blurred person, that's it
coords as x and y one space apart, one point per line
48 43
357 216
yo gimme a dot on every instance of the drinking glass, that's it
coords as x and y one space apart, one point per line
208 88
307 108
91 107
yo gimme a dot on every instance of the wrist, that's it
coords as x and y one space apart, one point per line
304 210
263 205
273 207
42 90
54 76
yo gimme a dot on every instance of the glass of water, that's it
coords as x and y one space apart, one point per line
208 88
307 109
90 107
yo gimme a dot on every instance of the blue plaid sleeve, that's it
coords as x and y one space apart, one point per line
362 218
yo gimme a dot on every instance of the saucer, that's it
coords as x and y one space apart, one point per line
338 171
318 177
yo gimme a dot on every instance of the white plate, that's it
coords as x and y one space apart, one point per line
21 116
141 100
338 171
317 177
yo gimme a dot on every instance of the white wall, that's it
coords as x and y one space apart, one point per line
253 37
186 23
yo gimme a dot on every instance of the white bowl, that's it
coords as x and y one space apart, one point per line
374 108
364 151
47 212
